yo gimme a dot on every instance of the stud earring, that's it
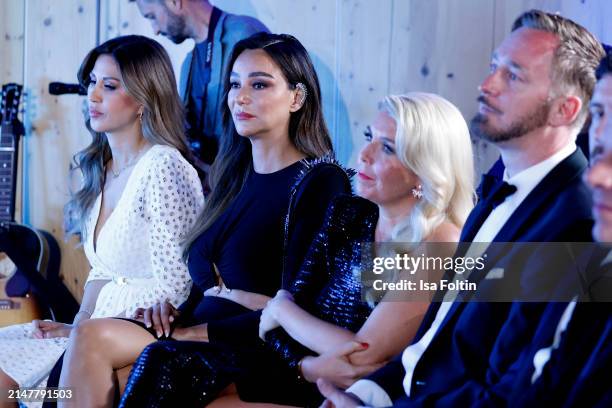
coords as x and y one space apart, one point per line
417 192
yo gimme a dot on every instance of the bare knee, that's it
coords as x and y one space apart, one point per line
6 381
91 334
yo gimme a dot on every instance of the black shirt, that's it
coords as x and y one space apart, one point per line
246 241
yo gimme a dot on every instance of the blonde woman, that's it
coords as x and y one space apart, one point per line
415 183
139 198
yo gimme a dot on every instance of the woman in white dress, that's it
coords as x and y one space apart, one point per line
138 199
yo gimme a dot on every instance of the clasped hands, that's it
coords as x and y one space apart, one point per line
270 313
334 373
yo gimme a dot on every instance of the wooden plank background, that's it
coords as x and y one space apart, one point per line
362 49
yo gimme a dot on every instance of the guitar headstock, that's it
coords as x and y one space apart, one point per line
9 107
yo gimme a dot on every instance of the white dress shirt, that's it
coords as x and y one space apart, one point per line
371 393
542 356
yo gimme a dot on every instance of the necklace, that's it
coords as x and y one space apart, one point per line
129 164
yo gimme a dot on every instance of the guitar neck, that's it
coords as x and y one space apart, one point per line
8 171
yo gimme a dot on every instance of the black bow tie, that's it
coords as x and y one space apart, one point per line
495 191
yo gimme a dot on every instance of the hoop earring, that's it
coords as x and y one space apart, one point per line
417 192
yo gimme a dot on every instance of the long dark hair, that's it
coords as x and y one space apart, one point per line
147 76
307 129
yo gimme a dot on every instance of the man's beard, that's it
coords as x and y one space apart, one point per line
482 128
176 28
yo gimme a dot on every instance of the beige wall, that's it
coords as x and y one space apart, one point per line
363 50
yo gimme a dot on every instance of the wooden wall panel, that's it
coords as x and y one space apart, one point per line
58 35
11 42
443 46
363 36
594 15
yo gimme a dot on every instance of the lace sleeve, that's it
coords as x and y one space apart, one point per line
173 201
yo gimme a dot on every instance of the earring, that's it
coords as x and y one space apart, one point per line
140 116
304 91
417 192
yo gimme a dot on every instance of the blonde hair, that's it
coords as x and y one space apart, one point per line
433 141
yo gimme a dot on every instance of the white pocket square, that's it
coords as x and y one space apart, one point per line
495 273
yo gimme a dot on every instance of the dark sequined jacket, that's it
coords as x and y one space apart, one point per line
328 285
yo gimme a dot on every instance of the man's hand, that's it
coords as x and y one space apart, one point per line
335 397
44 329
160 316
335 365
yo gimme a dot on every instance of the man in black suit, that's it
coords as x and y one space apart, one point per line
571 366
532 106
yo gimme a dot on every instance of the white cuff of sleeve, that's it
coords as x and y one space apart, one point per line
370 393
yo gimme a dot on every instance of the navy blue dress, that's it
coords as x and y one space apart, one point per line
247 242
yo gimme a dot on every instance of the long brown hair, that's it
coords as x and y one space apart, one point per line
307 129
147 76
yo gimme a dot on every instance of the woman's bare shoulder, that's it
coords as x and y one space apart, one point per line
445 232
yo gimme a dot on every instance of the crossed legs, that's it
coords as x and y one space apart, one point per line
6 383
97 349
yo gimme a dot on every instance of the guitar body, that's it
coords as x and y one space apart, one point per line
15 310
29 251
36 256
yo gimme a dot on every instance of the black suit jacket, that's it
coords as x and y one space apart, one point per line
578 371
453 370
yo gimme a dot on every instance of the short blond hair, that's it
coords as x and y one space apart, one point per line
575 59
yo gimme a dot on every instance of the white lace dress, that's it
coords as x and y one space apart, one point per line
138 250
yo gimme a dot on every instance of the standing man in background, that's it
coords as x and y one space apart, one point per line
215 33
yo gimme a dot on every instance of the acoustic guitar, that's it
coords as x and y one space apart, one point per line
33 289
14 309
